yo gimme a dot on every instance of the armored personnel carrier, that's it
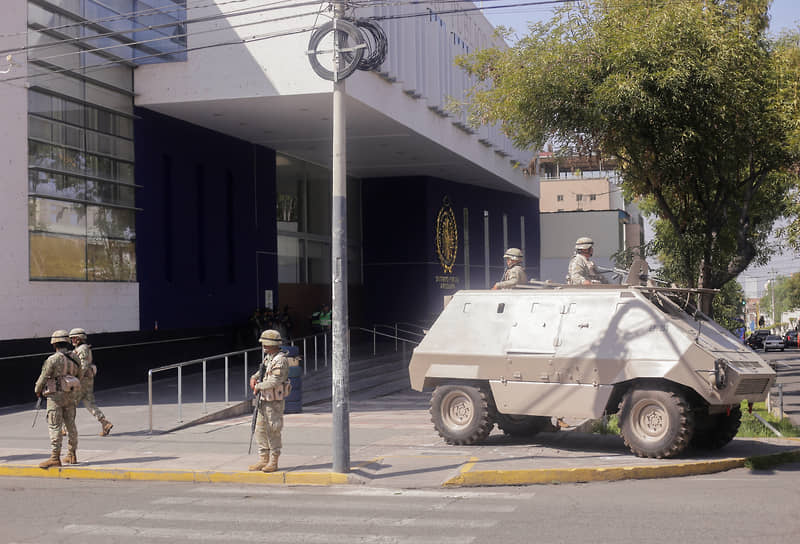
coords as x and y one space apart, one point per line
520 357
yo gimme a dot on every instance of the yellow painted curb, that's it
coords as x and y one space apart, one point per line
575 475
289 478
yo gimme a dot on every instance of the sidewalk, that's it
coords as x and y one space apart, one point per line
392 444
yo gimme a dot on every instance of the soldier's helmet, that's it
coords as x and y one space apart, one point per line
513 253
77 333
270 337
584 242
59 336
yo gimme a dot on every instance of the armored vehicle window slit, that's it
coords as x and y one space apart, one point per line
467 307
501 307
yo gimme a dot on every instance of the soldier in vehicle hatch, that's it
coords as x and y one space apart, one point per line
514 273
582 270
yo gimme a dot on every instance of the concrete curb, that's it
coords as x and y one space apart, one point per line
467 477
285 478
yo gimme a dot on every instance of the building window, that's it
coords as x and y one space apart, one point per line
303 203
560 198
578 198
592 197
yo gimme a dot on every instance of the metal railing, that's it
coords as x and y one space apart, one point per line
319 342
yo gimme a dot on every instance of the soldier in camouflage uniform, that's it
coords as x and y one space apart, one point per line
83 352
272 383
60 402
582 270
514 274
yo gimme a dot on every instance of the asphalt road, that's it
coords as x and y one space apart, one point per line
736 506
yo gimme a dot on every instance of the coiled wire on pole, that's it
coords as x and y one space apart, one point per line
377 44
367 52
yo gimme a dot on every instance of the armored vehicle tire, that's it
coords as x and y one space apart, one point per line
714 431
523 425
460 413
656 422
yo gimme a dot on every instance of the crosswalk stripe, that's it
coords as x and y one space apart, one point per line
325 503
255 536
363 491
293 518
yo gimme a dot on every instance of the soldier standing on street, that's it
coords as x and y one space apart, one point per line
514 274
582 270
86 396
272 383
58 383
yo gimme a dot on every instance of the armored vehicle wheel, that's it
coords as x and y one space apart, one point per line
460 414
656 422
714 431
523 425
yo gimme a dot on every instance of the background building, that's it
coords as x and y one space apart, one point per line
579 197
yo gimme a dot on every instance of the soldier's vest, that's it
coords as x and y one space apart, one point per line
280 391
64 380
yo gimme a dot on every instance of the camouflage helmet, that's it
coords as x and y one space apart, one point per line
513 253
584 242
59 336
77 333
270 337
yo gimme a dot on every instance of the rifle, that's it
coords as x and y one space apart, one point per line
253 423
36 411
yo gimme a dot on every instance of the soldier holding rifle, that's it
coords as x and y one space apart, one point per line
271 386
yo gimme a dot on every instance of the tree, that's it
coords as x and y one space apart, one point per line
688 96
727 306
786 293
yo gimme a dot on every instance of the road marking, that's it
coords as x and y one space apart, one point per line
327 504
254 536
291 518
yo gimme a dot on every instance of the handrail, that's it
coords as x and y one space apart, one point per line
304 340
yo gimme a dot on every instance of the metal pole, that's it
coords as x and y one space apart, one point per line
305 357
180 394
315 351
340 404
226 379
246 380
150 398
374 344
204 387
780 398
395 337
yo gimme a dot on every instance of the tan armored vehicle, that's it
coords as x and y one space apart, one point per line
520 357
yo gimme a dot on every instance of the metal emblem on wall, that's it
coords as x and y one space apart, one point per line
446 245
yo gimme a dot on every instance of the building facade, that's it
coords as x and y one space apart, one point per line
167 167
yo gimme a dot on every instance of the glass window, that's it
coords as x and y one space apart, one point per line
111 260
592 197
578 198
291 260
46 215
559 198
319 262
57 257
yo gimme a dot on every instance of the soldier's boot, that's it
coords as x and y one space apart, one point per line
272 466
106 424
54 461
262 462
71 458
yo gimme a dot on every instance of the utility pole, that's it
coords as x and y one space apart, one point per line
340 405
772 289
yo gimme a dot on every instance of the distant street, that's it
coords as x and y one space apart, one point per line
731 507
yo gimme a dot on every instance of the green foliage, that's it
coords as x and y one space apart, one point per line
786 293
726 307
691 98
751 427
606 425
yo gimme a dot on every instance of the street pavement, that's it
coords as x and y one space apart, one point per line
392 443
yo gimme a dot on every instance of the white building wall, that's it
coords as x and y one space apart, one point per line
33 309
419 66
